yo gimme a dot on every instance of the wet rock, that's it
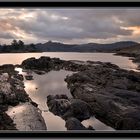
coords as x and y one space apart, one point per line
28 77
19 76
46 64
6 123
39 72
78 109
74 124
60 105
137 59
27 117
12 93
112 93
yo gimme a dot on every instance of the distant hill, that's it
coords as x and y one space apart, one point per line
90 47
131 49
19 47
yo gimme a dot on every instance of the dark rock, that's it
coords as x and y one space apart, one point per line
19 76
111 93
78 109
6 123
39 72
34 104
60 105
29 77
74 124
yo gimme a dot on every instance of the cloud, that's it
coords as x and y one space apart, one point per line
69 25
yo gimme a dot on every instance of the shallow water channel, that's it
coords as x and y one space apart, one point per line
53 83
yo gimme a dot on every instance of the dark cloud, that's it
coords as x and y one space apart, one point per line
70 24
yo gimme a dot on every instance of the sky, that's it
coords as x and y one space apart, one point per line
72 26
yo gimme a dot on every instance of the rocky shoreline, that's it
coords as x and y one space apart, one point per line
12 94
134 55
113 94
104 90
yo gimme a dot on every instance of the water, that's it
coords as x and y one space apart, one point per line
53 83
17 58
41 87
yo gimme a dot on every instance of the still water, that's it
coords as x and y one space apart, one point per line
53 83
17 58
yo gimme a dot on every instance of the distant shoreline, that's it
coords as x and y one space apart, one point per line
54 52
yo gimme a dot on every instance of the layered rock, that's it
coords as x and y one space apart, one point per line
12 93
73 111
112 93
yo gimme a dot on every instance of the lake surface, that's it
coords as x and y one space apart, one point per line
53 83
17 58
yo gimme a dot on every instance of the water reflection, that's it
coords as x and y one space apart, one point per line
43 85
97 125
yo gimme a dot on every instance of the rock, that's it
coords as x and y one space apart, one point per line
47 64
60 105
27 117
29 77
12 93
39 72
78 109
32 63
137 59
74 124
6 123
19 76
110 92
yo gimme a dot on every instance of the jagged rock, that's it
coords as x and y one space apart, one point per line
60 105
74 124
12 93
111 93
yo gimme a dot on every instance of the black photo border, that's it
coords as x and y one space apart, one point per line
69 134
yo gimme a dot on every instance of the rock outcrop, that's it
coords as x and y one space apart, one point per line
12 93
27 117
73 111
112 93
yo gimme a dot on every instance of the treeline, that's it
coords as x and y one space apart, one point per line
18 46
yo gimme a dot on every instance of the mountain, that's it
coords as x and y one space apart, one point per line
60 47
129 51
90 47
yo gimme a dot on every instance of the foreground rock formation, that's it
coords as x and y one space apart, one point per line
27 117
12 94
113 94
73 111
